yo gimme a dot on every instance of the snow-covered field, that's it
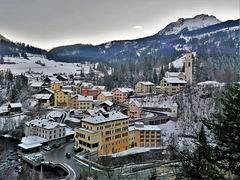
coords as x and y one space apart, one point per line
51 67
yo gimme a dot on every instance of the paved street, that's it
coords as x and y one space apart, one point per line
58 155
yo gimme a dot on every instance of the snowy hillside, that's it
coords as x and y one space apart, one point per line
178 63
189 24
23 65
194 104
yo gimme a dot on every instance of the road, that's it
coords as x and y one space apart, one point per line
58 155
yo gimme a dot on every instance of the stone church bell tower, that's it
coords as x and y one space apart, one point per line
188 67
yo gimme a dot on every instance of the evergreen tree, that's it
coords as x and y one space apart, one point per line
225 126
196 163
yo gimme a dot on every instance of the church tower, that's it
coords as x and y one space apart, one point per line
188 67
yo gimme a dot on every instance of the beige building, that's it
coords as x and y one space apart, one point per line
141 135
144 87
106 133
103 96
179 75
173 82
85 102
172 86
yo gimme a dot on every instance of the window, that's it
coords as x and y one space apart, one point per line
117 136
107 126
89 138
108 139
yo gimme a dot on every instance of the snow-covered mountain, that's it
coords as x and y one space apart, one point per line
189 24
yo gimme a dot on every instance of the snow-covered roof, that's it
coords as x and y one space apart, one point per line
44 123
147 83
53 79
85 98
173 74
37 84
175 105
87 130
98 87
175 80
15 105
125 90
43 96
109 103
56 82
47 89
107 94
75 120
67 90
87 84
145 128
95 110
31 142
69 131
106 117
137 103
3 109
55 114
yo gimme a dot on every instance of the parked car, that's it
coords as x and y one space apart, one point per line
47 148
68 155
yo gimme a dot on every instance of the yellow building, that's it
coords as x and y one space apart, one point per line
172 85
144 87
56 86
63 98
103 96
141 135
106 133
85 102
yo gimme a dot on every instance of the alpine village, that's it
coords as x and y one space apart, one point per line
162 107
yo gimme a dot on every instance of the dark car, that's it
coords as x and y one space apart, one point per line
68 155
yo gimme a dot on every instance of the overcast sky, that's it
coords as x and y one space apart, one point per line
51 23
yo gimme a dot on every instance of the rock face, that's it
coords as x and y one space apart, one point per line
189 24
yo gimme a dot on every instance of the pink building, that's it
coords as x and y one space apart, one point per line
134 109
121 95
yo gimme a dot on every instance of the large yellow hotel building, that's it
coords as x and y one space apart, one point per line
106 133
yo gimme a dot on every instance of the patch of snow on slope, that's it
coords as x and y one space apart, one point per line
51 67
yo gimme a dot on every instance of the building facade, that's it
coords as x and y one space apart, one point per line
172 86
63 98
141 135
144 87
134 109
121 95
106 133
103 96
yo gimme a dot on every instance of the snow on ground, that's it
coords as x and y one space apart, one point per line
211 83
51 67
178 63
133 150
8 123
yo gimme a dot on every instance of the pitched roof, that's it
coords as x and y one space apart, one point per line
173 74
106 117
15 105
107 94
44 123
98 87
107 102
85 98
43 96
137 103
175 80
38 84
147 83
